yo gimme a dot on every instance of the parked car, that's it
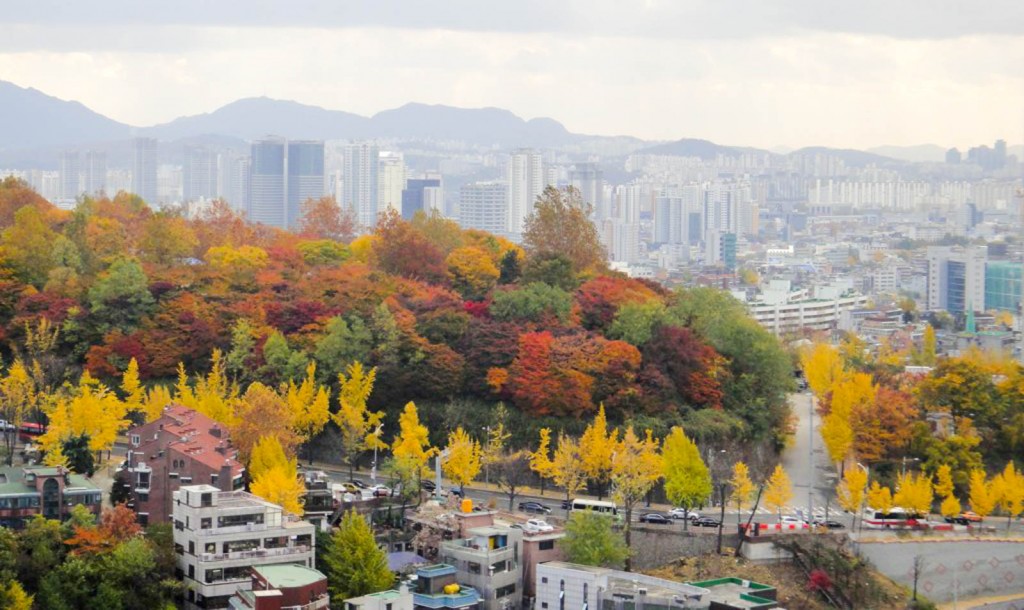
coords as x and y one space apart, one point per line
706 522
428 485
455 491
349 488
831 524
381 491
682 513
965 518
534 507
657 518
537 525
360 484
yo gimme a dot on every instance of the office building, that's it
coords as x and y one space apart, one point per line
181 447
284 587
524 174
267 182
588 179
94 172
199 174
70 175
1003 286
484 206
414 193
305 177
40 490
222 535
391 182
234 181
144 169
678 215
359 191
956 278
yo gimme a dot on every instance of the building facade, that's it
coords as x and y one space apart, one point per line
221 535
956 278
48 491
524 175
181 447
489 559
284 587
144 169
414 194
484 206
568 586
359 190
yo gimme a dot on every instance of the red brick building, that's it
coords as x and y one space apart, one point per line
181 447
40 490
283 586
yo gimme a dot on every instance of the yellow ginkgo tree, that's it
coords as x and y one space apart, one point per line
360 427
275 476
18 398
742 488
636 467
596 447
463 461
411 450
92 411
540 460
310 404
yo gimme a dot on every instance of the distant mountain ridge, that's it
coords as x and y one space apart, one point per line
30 119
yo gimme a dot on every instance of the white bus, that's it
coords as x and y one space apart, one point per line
605 508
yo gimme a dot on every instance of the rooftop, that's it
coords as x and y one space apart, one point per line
288 576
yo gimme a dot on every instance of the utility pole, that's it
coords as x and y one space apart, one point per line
810 461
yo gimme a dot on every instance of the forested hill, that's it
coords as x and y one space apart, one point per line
456 320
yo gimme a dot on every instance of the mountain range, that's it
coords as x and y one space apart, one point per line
34 126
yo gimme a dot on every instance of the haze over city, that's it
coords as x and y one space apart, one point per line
792 74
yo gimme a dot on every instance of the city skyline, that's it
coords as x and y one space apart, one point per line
792 77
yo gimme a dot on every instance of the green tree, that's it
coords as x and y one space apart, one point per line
281 362
510 267
687 478
591 540
552 269
120 297
635 323
243 342
355 564
560 225
534 302
343 342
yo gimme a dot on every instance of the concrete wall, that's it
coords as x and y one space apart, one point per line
655 546
972 568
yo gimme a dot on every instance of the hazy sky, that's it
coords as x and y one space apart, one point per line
856 73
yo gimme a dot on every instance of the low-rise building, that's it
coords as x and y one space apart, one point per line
318 503
221 535
283 587
48 491
569 586
489 560
181 447
435 587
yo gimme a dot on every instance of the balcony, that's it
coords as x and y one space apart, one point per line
254 554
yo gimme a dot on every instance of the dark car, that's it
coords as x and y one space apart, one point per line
566 504
427 485
706 522
831 524
455 491
535 508
655 518
359 484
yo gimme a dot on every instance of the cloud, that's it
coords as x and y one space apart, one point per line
730 19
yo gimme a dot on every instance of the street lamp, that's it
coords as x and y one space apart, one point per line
904 469
373 469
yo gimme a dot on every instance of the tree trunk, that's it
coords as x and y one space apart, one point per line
629 539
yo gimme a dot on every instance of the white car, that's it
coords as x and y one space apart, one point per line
791 520
682 513
537 525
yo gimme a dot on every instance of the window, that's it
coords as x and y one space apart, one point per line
143 496
547 545
387 606
191 547
135 440
544 580
214 575
543 604
235 546
205 523
231 520
505 591
191 571
206 499
474 568
211 547
178 525
213 479
144 480
499 566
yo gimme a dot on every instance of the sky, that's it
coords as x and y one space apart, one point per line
766 73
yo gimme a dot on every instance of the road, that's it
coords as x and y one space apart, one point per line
807 465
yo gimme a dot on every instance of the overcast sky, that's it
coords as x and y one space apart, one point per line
856 73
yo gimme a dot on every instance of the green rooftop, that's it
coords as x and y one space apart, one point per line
289 575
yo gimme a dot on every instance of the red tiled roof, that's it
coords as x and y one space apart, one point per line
191 433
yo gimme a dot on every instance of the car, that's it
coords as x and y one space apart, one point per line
349 488
360 484
455 491
537 526
566 504
657 518
706 522
428 485
682 513
381 491
831 524
534 507
965 518
791 520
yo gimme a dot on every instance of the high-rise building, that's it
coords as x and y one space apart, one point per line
305 176
1003 281
588 179
70 175
94 172
953 156
267 199
678 214
413 195
361 182
234 181
144 169
956 278
199 173
525 179
391 182
483 205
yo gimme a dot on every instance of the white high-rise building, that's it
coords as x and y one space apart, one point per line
956 278
525 179
234 180
391 182
483 205
361 183
589 180
223 534
144 169
94 172
678 215
199 174
70 175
